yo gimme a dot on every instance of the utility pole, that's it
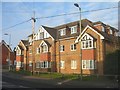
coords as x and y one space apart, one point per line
33 44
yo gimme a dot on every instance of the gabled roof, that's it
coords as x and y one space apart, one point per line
93 29
90 36
20 47
7 46
25 42
51 31
46 42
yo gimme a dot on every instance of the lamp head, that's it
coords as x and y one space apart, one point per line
76 4
5 34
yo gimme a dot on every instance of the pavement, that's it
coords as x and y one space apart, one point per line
64 83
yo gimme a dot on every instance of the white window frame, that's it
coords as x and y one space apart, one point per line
37 64
62 64
37 50
18 64
103 29
43 47
84 46
30 63
18 52
63 32
72 47
111 32
73 29
30 51
73 64
62 48
88 64
45 64
41 35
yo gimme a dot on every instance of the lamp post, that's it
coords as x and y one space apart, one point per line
9 47
80 43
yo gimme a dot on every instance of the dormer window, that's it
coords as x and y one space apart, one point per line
73 29
41 35
110 31
103 29
63 32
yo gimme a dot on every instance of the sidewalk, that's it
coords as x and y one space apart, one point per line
31 78
65 83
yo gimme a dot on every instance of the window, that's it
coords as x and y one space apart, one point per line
62 64
18 52
37 64
41 35
18 64
88 64
103 29
45 64
44 48
73 47
62 48
110 31
30 51
87 44
87 41
73 64
62 32
30 63
37 50
73 29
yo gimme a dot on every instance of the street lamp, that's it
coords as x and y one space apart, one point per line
80 34
9 47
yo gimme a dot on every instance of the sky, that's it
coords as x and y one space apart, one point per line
16 12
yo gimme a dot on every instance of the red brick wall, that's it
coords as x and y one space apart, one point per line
88 54
45 56
19 58
5 54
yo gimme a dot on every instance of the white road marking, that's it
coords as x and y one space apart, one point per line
59 83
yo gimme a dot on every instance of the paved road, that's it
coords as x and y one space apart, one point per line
10 80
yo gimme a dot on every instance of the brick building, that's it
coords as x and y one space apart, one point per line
63 49
6 54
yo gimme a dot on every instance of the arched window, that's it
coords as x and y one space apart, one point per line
43 47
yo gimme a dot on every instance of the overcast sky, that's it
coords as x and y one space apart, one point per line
17 12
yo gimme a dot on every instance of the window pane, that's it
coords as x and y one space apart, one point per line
62 64
87 64
75 46
90 43
73 64
91 64
83 64
86 44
